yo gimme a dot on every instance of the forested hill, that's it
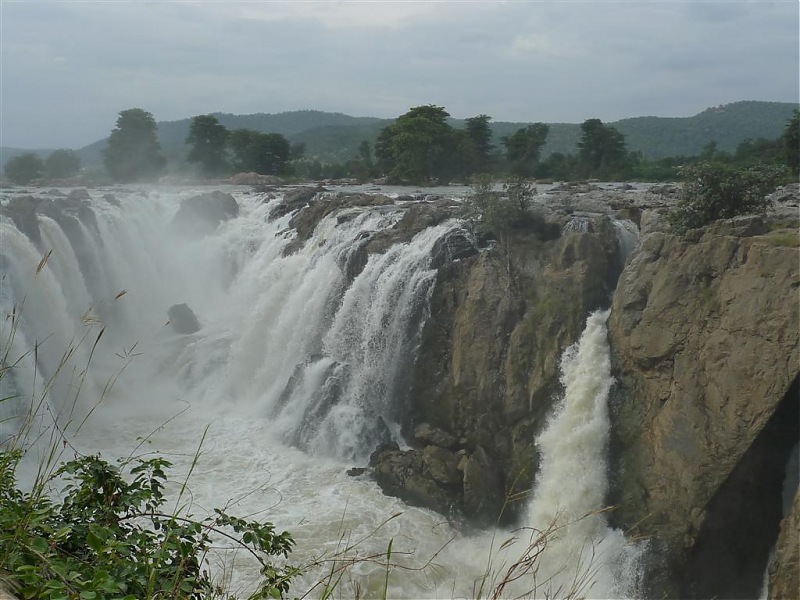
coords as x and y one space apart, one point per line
334 137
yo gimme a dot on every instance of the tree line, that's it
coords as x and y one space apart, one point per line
420 147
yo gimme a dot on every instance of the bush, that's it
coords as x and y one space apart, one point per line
714 191
109 538
494 213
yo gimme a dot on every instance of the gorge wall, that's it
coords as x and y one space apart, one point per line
704 337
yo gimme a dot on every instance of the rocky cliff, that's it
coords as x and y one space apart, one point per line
704 335
486 371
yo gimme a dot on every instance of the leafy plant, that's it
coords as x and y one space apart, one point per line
107 535
714 191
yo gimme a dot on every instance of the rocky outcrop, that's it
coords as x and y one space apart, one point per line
486 372
704 334
784 572
202 214
182 319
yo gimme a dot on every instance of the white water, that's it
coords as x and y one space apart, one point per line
290 355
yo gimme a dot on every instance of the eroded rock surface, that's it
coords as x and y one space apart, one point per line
704 334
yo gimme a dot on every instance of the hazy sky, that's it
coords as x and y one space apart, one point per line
69 67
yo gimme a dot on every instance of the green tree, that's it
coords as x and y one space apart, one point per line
62 163
24 168
263 153
133 152
601 150
208 138
418 146
791 143
524 148
480 135
712 191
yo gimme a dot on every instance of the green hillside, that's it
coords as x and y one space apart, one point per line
334 137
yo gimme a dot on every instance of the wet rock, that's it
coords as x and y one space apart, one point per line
296 199
482 479
441 465
784 571
182 319
356 471
22 211
202 214
427 434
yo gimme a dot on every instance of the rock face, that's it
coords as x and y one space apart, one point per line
704 334
202 214
486 372
784 573
182 319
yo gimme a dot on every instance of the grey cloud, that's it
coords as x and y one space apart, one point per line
69 68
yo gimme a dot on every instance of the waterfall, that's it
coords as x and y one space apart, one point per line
584 556
298 369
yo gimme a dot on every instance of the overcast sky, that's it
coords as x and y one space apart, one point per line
69 67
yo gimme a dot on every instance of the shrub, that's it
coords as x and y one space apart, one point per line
107 537
714 191
494 213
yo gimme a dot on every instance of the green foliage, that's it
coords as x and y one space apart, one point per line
715 191
601 151
61 164
417 147
494 213
524 148
24 168
133 152
791 143
107 536
263 153
208 139
479 134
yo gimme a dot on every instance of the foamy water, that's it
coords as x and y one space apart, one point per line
293 367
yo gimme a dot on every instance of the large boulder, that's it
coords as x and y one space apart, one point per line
704 335
182 319
202 214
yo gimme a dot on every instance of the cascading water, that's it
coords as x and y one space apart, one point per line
297 368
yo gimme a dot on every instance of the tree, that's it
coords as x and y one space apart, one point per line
601 150
62 164
418 146
24 168
264 153
791 143
208 138
524 147
714 191
133 152
480 134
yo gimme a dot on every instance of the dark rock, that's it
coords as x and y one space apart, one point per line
79 194
22 211
296 199
427 434
202 214
482 479
182 319
441 465
356 471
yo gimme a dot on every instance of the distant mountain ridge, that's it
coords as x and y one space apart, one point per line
334 137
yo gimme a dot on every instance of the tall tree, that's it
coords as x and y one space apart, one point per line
601 149
208 138
524 148
418 146
791 143
264 153
480 134
62 163
24 168
133 152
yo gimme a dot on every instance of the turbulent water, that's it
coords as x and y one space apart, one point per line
295 375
